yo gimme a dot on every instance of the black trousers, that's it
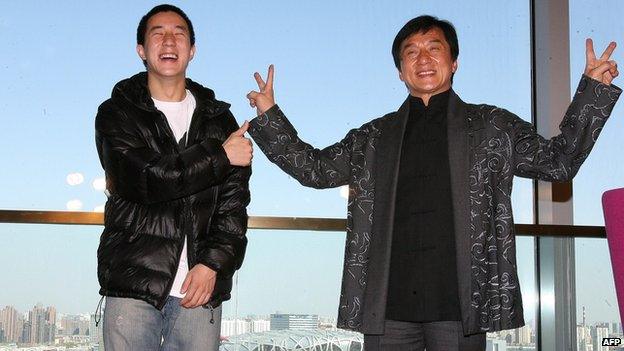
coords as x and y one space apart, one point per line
432 336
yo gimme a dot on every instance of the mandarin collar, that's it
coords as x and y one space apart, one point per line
437 102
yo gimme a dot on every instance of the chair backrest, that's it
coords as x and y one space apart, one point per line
613 207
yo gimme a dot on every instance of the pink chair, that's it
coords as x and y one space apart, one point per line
613 207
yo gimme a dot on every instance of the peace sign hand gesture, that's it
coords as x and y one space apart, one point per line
264 99
602 69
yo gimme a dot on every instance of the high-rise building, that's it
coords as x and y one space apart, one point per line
11 323
524 335
294 321
260 325
231 327
495 345
42 325
599 332
583 338
26 328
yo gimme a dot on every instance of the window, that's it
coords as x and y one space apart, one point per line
595 293
334 72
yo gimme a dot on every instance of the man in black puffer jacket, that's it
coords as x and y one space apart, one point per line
177 169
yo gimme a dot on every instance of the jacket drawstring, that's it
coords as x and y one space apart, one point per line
98 312
211 314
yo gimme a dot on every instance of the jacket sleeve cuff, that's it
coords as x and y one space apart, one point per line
612 91
214 148
271 121
219 262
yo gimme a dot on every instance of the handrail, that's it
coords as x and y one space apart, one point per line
282 223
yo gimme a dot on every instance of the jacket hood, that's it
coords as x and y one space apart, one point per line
135 91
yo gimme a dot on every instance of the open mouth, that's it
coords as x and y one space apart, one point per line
168 57
425 74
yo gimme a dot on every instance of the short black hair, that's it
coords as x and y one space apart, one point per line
142 28
422 24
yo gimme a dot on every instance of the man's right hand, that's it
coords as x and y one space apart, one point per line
264 99
238 148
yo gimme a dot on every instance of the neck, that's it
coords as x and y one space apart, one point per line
167 89
426 97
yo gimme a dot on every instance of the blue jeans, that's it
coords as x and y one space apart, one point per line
131 324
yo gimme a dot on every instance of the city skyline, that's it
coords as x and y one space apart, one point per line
70 329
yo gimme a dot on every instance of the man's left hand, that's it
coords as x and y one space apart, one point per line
602 69
198 286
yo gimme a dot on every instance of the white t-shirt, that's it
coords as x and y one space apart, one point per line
179 114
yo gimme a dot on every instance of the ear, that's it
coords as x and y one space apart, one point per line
192 52
401 76
454 66
141 51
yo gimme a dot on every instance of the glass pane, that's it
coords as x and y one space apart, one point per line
597 311
49 285
597 314
287 292
600 21
334 72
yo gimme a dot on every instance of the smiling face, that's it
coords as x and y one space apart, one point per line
167 48
426 64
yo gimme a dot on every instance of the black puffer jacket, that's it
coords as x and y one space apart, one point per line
160 195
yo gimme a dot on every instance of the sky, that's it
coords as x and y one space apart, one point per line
334 72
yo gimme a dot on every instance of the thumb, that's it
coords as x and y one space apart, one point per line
243 129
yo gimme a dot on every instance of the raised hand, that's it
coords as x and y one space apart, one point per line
602 69
238 148
264 99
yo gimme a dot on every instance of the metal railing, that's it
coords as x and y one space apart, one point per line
283 223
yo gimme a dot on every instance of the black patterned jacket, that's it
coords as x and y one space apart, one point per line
487 147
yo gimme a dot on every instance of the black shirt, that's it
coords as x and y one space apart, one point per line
423 272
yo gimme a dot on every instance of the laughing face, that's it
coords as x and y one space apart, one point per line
426 64
167 49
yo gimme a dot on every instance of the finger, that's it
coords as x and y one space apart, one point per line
244 127
190 295
600 70
240 131
206 299
185 284
197 299
253 95
252 103
589 50
608 51
259 81
270 77
608 77
202 299
613 68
